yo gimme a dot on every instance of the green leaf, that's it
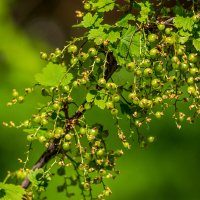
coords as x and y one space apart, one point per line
54 75
11 192
144 12
89 20
91 95
124 21
35 176
183 22
100 103
113 36
104 5
196 43
98 35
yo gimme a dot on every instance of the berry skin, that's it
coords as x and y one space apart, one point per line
193 58
101 82
184 67
152 38
109 105
190 80
154 52
168 31
83 130
161 27
83 56
146 63
150 139
87 106
155 83
56 106
92 52
114 111
158 115
72 49
66 146
20 99
93 131
148 72
116 97
191 90
130 66
15 93
74 60
169 40
43 56
87 6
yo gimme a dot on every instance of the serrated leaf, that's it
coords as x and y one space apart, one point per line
91 95
54 75
89 20
196 43
100 103
11 192
35 176
113 36
97 35
124 21
104 5
144 12
183 22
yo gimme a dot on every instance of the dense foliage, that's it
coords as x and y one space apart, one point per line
136 68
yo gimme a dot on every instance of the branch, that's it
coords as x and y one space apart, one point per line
53 149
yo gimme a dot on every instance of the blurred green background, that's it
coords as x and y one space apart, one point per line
169 169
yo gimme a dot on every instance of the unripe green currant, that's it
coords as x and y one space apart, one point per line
66 146
143 103
172 79
151 139
155 83
44 122
87 106
161 27
175 59
152 37
37 119
115 97
100 152
154 52
68 137
158 100
184 67
148 72
114 111
191 90
195 18
190 80
101 82
72 49
194 71
97 60
20 99
42 139
58 52
87 6
93 131
56 106
158 114
74 60
66 88
146 63
15 93
43 56
193 58
131 66
169 40
83 56
92 52
168 31
109 105
83 130
59 131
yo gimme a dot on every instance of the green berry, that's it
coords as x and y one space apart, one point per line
66 146
72 49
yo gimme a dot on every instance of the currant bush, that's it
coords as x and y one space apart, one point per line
155 44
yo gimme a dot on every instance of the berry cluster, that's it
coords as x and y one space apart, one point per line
135 70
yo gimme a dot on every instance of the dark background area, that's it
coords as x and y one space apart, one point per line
166 170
